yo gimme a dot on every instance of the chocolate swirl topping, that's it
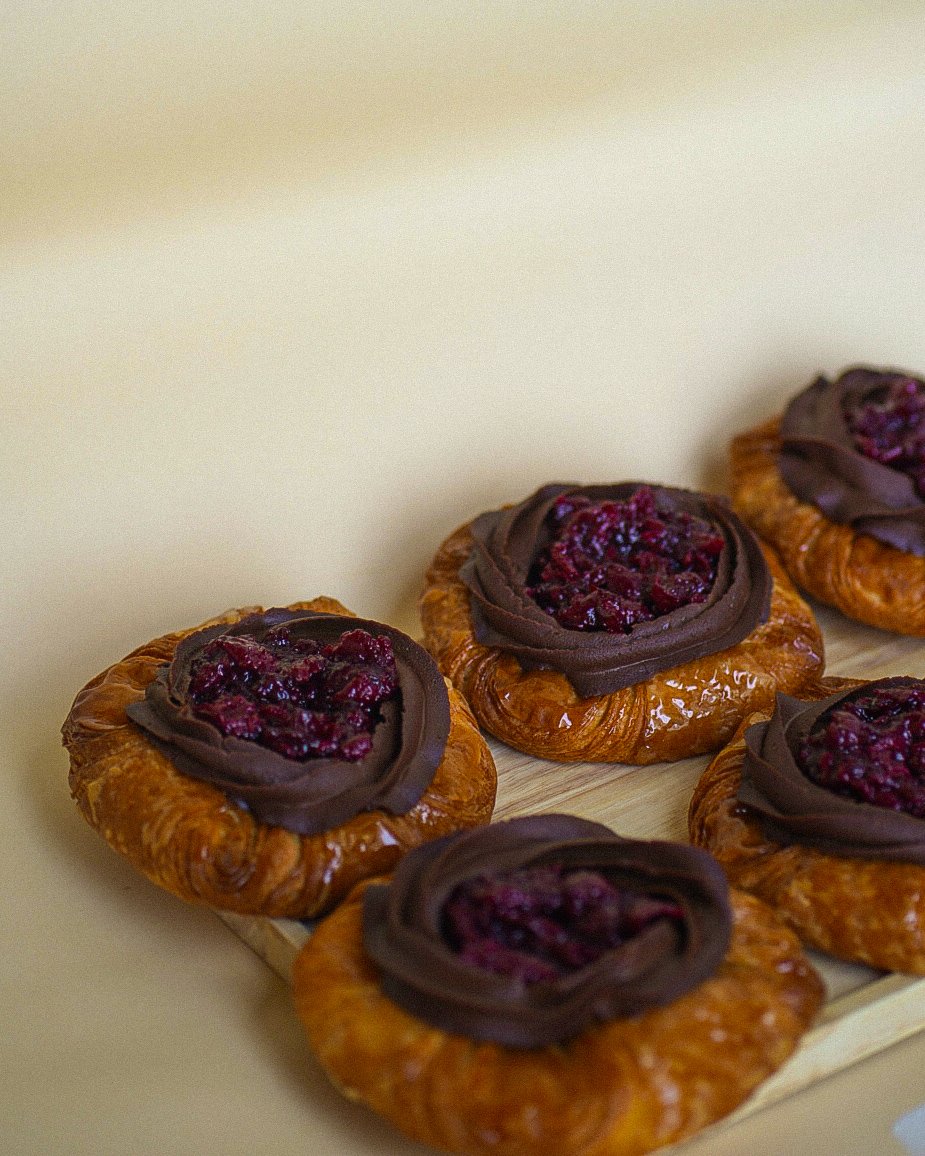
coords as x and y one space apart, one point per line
403 932
791 808
506 543
316 794
820 463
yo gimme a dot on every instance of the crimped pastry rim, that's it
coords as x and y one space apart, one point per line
621 1088
860 910
186 836
867 580
539 713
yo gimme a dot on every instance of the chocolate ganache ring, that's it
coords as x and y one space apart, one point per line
836 485
543 985
621 623
818 810
266 761
530 931
295 783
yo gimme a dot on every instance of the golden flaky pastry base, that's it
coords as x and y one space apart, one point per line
186 836
863 910
680 712
624 1087
863 578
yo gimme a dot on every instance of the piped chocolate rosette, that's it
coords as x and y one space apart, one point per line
265 762
836 484
612 584
607 622
855 448
846 774
528 932
543 985
820 811
305 719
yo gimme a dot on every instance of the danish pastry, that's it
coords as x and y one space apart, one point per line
622 623
835 485
820 812
543 985
264 762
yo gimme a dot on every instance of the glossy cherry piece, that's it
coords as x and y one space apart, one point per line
295 696
871 748
613 564
888 426
540 923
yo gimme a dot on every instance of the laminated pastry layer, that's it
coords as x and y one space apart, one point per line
187 836
791 807
866 579
507 543
682 711
628 1085
821 456
864 909
664 955
314 794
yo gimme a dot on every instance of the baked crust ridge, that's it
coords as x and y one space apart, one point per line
866 580
617 1089
187 837
863 910
690 709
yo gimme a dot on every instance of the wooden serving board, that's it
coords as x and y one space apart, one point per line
865 1011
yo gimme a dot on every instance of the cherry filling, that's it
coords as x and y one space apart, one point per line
871 747
613 564
293 695
538 924
888 426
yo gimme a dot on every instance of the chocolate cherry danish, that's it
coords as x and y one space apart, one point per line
543 985
836 484
819 810
620 623
267 760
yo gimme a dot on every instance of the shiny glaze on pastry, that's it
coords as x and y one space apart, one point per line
188 837
620 1088
867 580
682 711
866 910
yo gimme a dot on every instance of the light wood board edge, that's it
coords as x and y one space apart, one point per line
276 941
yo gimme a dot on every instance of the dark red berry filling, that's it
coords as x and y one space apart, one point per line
871 747
888 426
293 695
540 923
613 564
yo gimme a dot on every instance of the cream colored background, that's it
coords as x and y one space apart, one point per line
289 291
